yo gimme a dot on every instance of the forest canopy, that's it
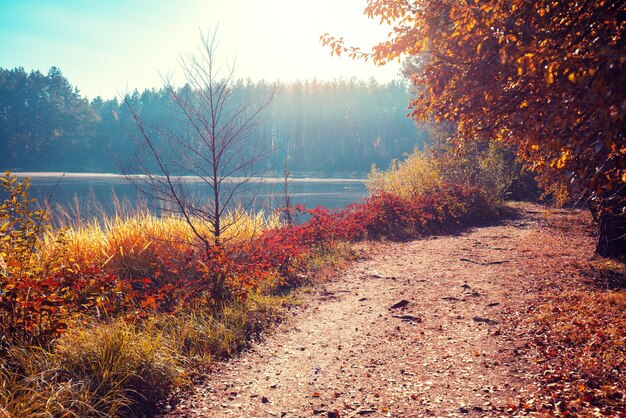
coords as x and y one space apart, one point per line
46 125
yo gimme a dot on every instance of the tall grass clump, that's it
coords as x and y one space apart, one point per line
123 368
117 368
137 244
112 369
201 336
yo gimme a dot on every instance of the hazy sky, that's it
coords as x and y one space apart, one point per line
106 47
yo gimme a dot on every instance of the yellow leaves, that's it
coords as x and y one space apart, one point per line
572 77
624 176
526 63
485 7
422 44
149 302
550 73
560 163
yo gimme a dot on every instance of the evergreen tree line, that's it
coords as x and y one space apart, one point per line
321 128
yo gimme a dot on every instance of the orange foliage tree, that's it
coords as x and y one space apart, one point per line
546 75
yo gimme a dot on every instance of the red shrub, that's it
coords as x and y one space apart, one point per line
40 309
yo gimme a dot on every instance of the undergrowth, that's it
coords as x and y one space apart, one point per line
116 368
109 318
489 168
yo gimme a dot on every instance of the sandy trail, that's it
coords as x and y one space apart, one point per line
452 350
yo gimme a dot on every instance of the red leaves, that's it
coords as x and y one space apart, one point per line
149 302
39 306
386 214
284 249
39 309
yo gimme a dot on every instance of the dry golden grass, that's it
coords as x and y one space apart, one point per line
131 246
121 369
108 369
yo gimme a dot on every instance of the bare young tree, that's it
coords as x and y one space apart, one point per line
205 141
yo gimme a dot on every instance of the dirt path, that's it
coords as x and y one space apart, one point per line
452 350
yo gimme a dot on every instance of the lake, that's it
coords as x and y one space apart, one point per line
86 188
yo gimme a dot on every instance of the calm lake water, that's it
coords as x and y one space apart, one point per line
86 188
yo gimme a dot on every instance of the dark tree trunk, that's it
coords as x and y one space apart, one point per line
612 236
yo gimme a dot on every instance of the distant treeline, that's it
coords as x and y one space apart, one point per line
322 128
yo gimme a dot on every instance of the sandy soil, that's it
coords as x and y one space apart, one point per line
432 327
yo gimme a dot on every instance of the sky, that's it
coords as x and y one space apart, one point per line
110 47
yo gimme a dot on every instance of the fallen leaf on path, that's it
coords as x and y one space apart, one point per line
400 304
485 320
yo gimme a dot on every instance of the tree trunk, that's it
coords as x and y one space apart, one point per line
612 236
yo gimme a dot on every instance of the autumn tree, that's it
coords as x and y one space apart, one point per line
205 141
548 76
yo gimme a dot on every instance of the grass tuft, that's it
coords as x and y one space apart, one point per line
202 337
121 365
104 370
